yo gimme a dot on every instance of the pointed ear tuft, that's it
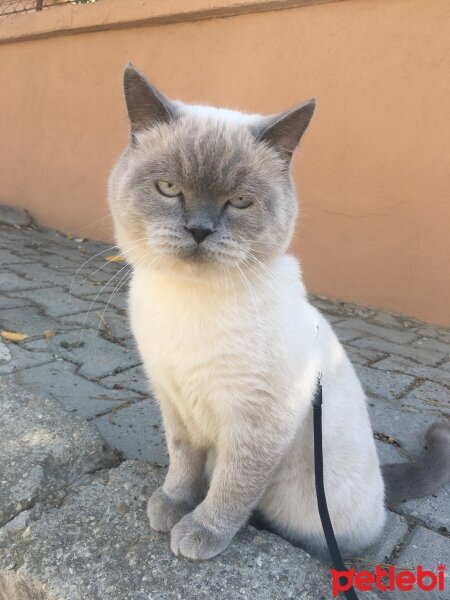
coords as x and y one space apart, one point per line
284 131
146 106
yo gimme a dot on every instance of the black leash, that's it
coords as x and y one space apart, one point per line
330 538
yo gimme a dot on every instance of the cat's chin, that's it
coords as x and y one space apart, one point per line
196 266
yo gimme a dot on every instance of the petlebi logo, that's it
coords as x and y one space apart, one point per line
388 578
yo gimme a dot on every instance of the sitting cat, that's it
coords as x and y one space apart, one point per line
204 210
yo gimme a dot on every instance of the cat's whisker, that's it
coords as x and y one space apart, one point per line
88 261
124 280
115 247
233 286
107 216
263 280
253 296
94 300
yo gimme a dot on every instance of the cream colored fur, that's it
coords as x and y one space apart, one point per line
240 366
230 343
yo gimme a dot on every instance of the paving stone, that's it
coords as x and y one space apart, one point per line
403 426
419 354
433 510
333 318
117 300
61 262
339 308
387 453
362 356
424 330
386 333
382 384
6 302
392 536
110 323
428 549
82 347
434 345
8 258
403 365
136 431
429 397
346 335
13 215
59 381
101 285
59 302
10 282
42 449
388 319
5 353
44 275
131 379
99 546
21 358
29 320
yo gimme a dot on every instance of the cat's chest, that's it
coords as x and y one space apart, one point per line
191 352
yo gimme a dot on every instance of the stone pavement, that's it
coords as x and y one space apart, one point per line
84 535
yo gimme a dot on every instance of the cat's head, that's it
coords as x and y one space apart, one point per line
202 186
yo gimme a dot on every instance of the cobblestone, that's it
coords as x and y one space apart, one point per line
382 384
59 303
421 354
385 333
136 431
428 549
99 546
402 425
132 379
398 364
42 449
428 397
85 398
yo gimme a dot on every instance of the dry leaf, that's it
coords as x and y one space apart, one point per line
12 336
49 333
79 240
114 258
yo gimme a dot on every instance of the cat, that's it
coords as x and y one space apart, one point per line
204 209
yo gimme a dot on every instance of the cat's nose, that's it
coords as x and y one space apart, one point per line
199 233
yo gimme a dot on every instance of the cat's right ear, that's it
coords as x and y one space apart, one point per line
146 106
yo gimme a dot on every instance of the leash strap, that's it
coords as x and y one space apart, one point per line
330 538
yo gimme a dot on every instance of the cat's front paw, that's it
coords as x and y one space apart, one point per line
164 512
194 540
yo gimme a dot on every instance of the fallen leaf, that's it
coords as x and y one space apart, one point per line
49 333
114 258
13 336
79 240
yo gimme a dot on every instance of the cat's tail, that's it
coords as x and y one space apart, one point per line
404 481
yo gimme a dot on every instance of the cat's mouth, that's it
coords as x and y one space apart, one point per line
199 254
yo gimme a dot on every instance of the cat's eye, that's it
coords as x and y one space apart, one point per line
241 202
167 188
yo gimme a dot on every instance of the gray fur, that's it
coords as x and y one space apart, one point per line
422 477
284 131
214 162
146 106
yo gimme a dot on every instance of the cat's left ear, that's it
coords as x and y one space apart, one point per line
284 131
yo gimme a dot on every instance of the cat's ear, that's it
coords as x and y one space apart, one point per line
146 106
284 131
